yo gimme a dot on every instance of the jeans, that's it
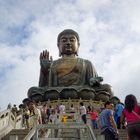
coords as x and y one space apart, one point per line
94 124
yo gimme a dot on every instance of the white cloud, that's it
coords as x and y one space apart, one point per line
123 71
109 33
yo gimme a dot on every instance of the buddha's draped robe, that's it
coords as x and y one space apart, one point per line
71 71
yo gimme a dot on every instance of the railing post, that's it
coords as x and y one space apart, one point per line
9 113
21 125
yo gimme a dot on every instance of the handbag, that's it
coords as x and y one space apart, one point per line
111 130
133 128
137 122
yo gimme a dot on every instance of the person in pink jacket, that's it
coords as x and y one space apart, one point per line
131 114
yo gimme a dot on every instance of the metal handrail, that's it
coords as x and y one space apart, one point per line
31 133
60 126
91 132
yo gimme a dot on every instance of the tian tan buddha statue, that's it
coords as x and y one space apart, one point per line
69 76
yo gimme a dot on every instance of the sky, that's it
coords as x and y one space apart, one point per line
109 33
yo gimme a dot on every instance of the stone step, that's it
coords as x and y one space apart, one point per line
69 134
21 133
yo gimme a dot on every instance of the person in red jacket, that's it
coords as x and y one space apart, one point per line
94 117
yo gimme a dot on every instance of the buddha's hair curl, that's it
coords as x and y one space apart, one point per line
67 31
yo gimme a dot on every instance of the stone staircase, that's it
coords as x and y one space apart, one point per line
65 134
69 134
18 134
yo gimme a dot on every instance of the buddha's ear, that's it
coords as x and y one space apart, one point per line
60 54
59 50
78 43
77 48
57 44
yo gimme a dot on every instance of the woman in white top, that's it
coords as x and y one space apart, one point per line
83 112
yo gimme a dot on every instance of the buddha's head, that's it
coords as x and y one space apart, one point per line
68 42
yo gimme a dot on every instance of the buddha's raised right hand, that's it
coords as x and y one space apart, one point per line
45 59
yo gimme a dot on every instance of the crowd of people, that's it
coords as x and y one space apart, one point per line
109 118
122 116
113 117
38 113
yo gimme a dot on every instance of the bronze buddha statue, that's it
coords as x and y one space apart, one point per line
69 76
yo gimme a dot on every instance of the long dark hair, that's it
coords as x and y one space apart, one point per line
130 102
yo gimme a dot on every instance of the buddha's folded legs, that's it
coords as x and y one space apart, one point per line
54 93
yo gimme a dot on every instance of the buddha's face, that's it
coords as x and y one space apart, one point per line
68 44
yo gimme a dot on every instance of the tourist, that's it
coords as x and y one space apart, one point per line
131 114
108 125
26 115
53 117
14 110
72 109
89 109
44 113
49 111
57 109
61 109
9 106
94 117
64 118
73 112
35 114
118 110
83 112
